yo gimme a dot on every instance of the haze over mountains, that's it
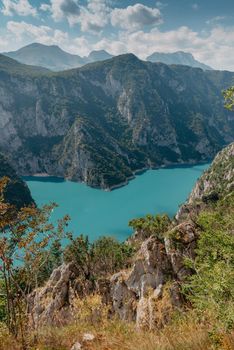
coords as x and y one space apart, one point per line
54 58
102 122
179 57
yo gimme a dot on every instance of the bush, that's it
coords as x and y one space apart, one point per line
152 225
103 257
211 289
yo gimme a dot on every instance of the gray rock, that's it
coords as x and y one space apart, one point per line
76 346
51 303
87 337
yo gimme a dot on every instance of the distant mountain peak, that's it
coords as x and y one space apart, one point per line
99 55
53 57
178 57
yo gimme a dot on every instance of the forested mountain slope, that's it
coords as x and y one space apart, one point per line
102 122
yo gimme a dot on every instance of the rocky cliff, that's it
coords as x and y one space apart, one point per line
150 289
16 192
104 121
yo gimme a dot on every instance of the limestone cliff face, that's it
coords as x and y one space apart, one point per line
215 184
149 290
218 180
102 122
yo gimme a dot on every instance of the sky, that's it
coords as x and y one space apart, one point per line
203 27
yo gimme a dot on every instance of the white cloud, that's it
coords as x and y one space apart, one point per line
80 46
43 34
215 48
45 7
3 44
195 7
161 5
216 19
65 9
135 17
95 16
18 7
92 18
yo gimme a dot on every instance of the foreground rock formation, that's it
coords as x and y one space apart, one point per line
149 290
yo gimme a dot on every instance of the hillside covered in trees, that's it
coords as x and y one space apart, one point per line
103 122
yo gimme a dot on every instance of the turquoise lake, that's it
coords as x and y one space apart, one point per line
95 212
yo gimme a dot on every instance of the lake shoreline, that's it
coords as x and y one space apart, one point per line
96 213
141 171
138 172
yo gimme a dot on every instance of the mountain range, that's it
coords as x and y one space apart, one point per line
179 57
103 122
53 57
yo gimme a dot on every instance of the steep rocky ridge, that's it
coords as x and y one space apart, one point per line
150 289
216 183
104 121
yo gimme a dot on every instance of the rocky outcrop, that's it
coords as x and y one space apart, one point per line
102 122
135 291
150 290
51 304
16 191
180 243
216 182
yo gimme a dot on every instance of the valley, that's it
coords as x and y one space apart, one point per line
101 123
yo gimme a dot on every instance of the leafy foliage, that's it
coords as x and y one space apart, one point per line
229 98
104 256
15 190
26 236
211 288
152 225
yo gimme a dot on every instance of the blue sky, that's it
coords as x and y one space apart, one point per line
203 27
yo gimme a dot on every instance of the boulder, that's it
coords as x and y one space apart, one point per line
131 290
51 303
180 244
76 346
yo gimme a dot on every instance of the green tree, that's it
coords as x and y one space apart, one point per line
211 288
151 225
26 236
109 255
229 98
103 257
78 251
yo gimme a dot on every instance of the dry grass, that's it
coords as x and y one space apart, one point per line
118 335
184 333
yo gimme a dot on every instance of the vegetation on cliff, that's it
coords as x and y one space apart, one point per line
102 122
16 191
207 291
172 282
